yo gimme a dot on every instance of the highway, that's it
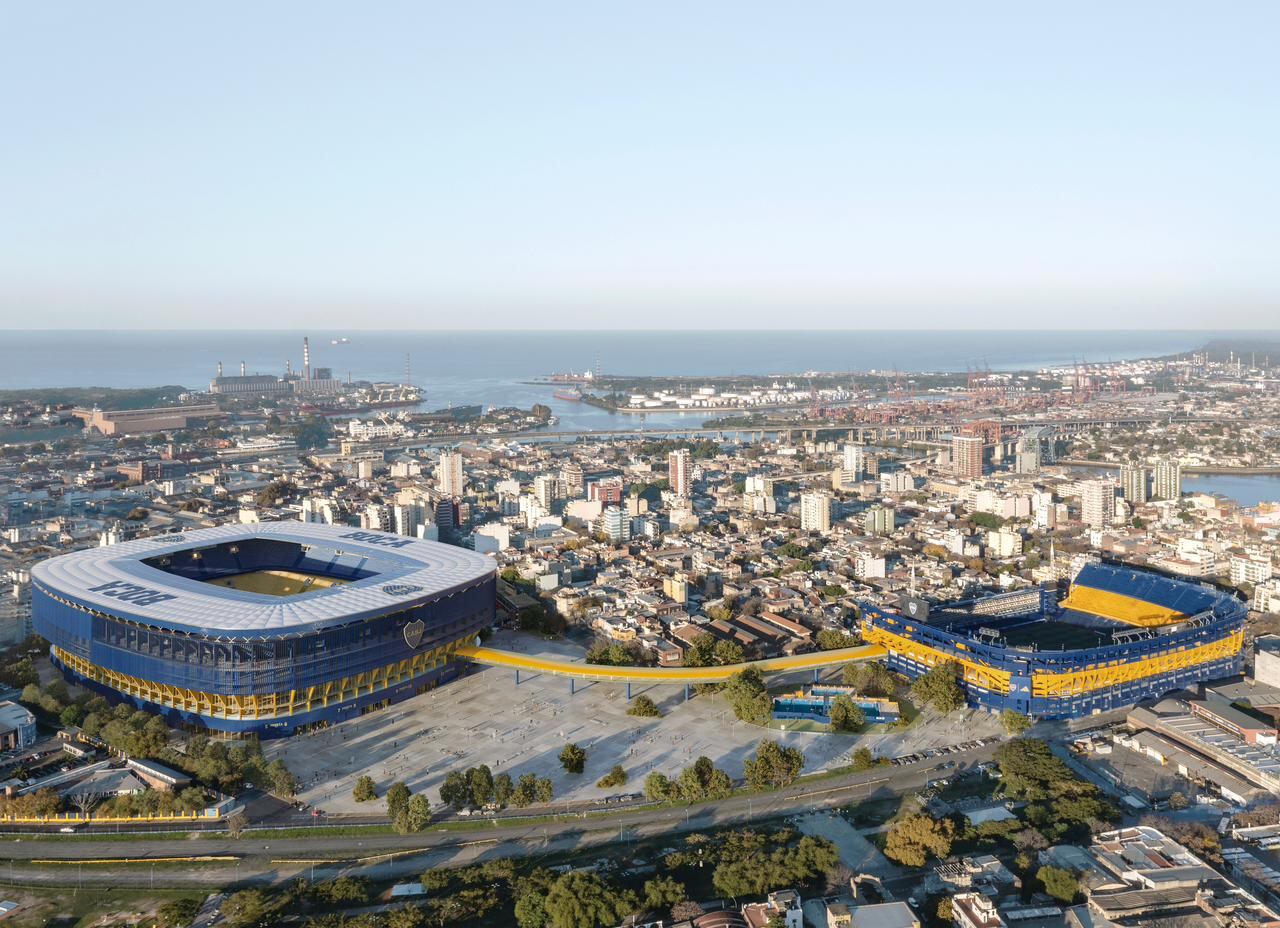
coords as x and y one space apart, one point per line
260 858
571 668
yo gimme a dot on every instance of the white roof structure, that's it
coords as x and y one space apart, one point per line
405 572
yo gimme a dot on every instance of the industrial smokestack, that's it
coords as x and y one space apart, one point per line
219 368
241 368
306 358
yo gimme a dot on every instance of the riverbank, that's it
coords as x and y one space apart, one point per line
1270 470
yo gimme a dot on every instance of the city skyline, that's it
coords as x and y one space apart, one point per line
435 168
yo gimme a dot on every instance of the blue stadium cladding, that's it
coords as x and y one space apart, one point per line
1119 674
260 663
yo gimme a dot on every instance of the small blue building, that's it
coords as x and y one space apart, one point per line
813 703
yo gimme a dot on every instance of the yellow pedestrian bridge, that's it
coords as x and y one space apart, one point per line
576 669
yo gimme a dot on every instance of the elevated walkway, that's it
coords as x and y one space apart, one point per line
577 669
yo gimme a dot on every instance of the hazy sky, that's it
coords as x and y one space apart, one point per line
557 165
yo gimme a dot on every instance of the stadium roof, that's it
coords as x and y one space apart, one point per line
115 580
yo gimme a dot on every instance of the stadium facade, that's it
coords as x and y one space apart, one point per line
266 628
1122 635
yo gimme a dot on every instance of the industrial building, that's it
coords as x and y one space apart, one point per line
142 421
1121 636
264 628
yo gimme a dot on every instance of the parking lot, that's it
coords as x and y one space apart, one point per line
485 718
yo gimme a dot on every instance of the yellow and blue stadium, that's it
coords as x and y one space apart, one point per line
263 629
1122 635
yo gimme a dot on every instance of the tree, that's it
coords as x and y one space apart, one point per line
615 777
397 798
237 822
405 916
913 837
543 791
455 791
1028 769
662 892
702 780
502 790
728 652
531 910
1177 801
526 788
658 787
580 899
863 759
830 639
343 890
943 911
1061 884
177 913
773 766
573 758
1015 723
272 493
986 520
845 716
611 654
938 688
281 779
701 651
414 816
480 783
870 678
750 699
1057 800
644 707
246 909
84 801
364 790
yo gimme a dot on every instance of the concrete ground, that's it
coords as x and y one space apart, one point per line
856 852
485 718
1139 773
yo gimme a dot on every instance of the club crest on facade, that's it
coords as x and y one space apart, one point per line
413 633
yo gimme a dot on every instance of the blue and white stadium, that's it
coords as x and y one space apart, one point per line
263 629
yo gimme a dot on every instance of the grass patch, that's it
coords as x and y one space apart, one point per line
76 908
109 836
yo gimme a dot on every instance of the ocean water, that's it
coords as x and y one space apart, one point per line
492 368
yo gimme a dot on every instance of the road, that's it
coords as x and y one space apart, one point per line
263 859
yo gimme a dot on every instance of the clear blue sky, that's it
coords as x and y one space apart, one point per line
462 165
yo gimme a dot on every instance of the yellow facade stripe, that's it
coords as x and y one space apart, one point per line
264 705
105 861
70 818
975 673
1120 608
569 668
1114 674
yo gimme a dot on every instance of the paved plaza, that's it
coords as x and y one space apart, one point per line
485 718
